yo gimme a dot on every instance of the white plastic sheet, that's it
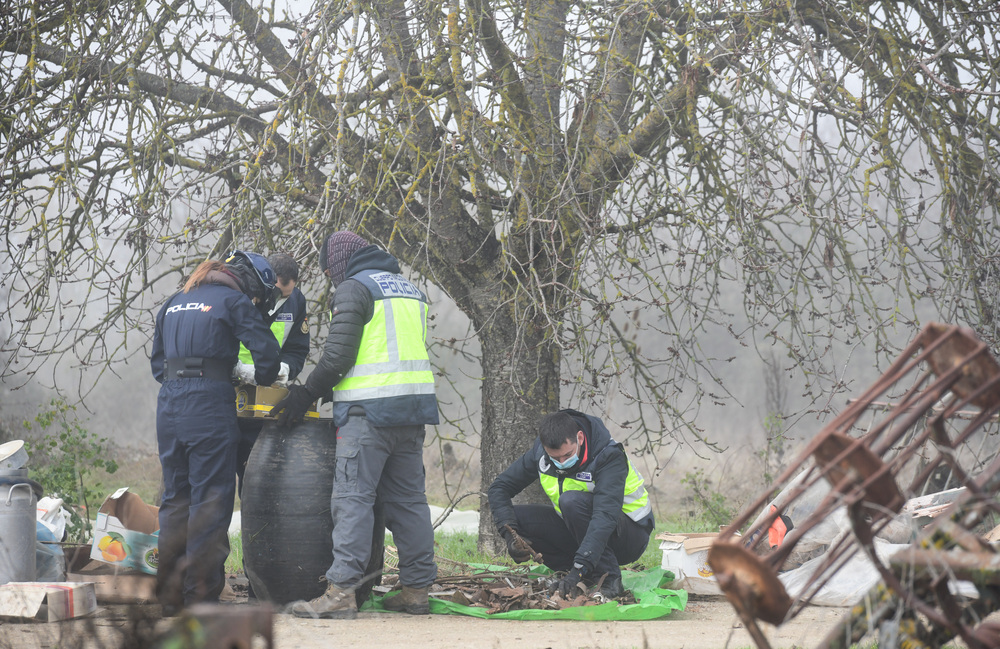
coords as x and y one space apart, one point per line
854 579
848 585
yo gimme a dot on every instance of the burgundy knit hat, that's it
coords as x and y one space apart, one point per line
337 251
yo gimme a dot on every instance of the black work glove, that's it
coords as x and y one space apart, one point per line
516 550
293 407
567 584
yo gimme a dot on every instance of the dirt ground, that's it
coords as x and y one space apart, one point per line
705 624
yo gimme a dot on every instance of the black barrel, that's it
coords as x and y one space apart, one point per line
287 547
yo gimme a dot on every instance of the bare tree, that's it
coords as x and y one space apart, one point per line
569 173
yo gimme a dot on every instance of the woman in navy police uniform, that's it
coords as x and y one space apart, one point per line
195 345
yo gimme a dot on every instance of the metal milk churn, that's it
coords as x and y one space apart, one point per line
17 516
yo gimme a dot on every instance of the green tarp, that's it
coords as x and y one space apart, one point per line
652 602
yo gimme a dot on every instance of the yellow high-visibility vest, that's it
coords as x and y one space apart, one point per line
279 328
635 505
392 359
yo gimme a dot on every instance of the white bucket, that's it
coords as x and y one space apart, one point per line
13 455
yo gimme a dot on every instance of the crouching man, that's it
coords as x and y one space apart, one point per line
600 517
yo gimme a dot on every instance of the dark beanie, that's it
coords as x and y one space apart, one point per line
337 251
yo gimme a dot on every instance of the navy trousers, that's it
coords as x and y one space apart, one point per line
197 434
249 432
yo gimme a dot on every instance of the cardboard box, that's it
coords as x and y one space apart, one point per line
257 401
686 555
112 584
52 601
125 533
121 588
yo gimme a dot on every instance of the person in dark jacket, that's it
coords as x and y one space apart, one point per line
600 516
195 344
375 360
291 329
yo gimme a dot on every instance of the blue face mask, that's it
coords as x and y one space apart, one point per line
562 466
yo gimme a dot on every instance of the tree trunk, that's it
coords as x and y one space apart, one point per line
520 383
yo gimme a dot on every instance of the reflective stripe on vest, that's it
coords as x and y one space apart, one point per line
392 359
280 329
635 504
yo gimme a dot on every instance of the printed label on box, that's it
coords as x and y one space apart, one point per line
115 544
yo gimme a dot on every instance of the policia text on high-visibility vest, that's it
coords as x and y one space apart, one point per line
392 359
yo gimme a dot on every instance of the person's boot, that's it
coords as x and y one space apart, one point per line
334 604
227 596
410 600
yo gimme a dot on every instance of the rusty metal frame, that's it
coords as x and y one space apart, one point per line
944 370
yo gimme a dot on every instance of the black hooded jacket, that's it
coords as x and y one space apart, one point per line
351 308
602 458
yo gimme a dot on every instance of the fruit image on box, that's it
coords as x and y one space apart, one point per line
113 547
126 533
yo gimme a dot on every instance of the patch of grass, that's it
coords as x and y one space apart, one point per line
462 548
449 548
139 471
454 550
234 562
652 557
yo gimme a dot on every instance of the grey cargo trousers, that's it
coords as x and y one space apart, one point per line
388 462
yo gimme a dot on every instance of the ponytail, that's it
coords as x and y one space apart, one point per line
201 272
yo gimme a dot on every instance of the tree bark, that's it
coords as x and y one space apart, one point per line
520 383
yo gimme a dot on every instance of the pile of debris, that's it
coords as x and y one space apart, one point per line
508 590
